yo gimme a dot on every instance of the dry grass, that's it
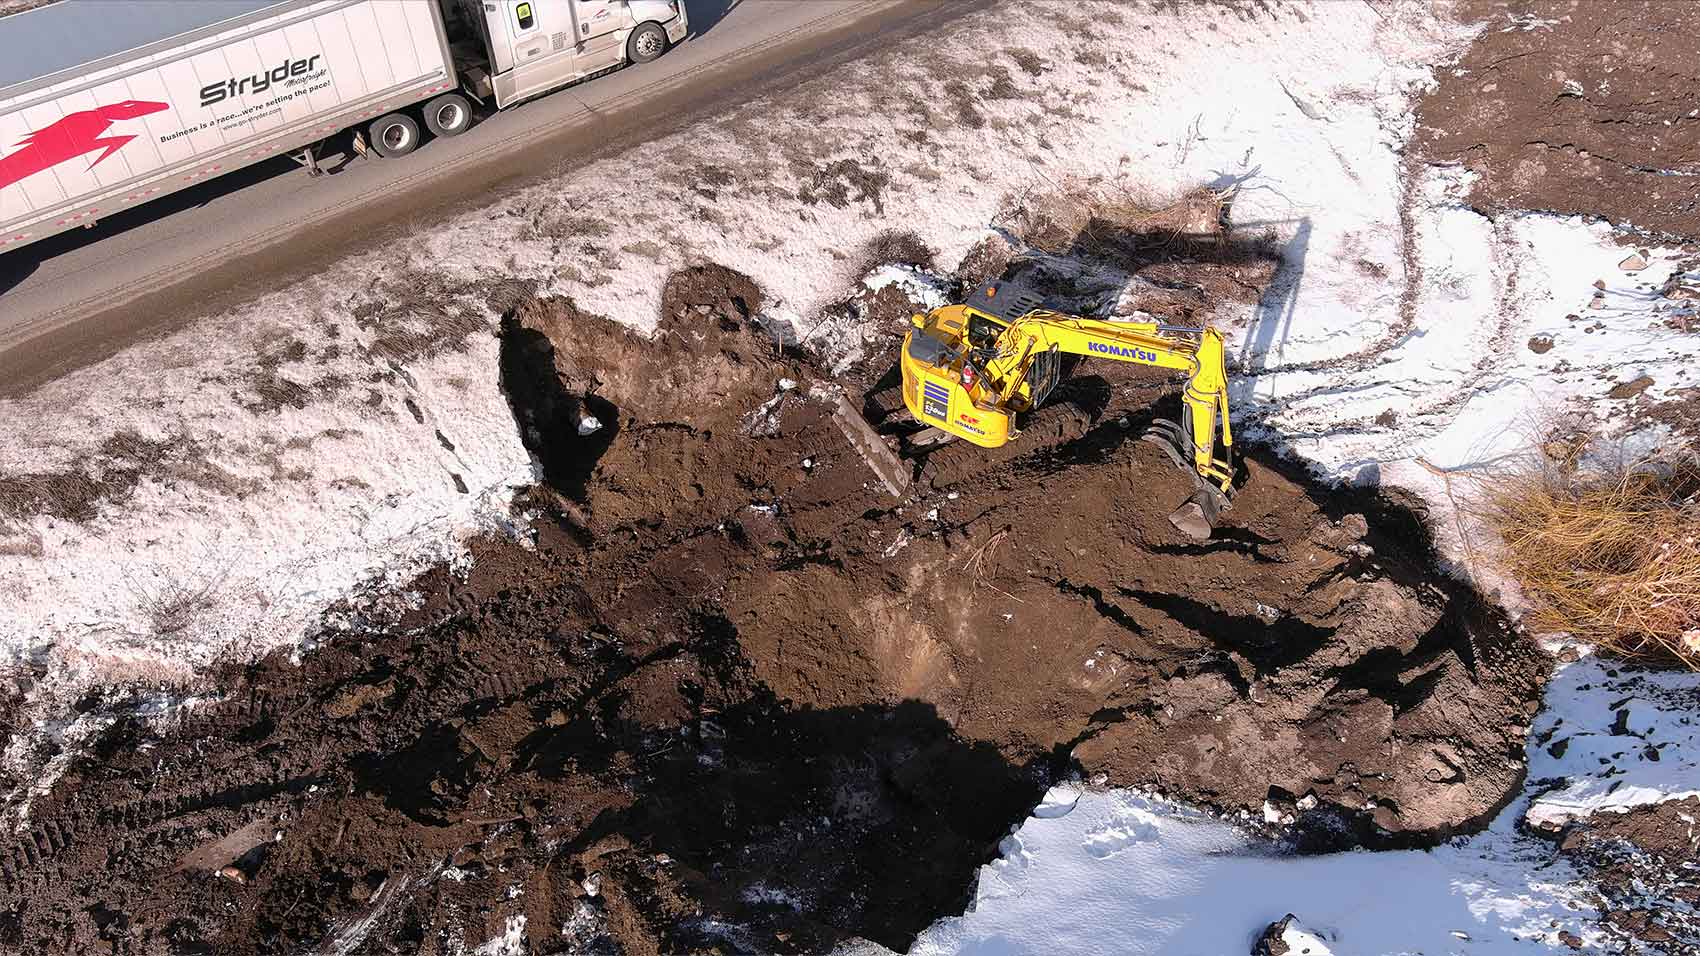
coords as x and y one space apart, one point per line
979 564
1612 558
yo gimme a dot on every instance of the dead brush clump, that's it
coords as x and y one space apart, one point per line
899 246
1611 558
1065 220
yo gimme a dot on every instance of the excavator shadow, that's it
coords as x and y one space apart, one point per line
1141 246
1114 425
1186 259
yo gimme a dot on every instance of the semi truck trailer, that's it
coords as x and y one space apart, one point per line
109 104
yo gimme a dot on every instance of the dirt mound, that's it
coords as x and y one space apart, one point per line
1305 656
1308 656
1550 118
1642 864
732 696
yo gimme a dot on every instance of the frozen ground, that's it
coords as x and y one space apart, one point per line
222 490
216 491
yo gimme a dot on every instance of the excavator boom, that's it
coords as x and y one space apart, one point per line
972 370
1197 352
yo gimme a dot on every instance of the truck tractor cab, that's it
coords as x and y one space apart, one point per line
518 49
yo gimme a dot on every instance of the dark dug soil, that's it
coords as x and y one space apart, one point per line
731 698
1576 106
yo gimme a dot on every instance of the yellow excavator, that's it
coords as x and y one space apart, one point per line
979 370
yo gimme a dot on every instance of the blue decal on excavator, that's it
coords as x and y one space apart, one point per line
935 400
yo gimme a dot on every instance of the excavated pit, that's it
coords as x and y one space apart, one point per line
732 696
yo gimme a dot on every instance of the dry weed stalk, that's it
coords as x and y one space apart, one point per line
978 562
1611 558
175 604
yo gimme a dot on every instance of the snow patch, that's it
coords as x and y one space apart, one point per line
921 287
1301 941
510 943
1612 739
1127 872
1193 883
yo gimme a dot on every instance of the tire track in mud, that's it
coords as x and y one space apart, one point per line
1431 413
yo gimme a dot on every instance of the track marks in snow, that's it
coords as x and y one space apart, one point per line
1124 831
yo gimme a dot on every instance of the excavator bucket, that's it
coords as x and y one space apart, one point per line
1196 517
872 449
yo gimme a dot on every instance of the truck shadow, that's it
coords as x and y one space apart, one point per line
19 265
705 14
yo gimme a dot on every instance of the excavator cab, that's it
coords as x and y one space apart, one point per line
947 382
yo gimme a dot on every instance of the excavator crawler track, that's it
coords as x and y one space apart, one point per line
881 405
1051 426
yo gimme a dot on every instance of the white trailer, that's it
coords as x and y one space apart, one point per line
107 104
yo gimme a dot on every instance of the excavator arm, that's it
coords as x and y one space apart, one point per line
1197 352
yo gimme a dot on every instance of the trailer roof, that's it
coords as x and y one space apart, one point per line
61 36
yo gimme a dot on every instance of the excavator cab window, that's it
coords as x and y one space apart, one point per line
1043 375
927 350
983 330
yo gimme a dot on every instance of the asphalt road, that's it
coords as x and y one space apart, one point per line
74 299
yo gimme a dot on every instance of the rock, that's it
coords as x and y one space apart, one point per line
1355 525
1631 388
1569 939
1288 937
1674 289
1633 263
1540 344
1271 943
1600 284
1345 535
1598 301
1189 519
1541 820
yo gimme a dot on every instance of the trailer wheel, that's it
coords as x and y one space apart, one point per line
648 42
393 135
448 115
